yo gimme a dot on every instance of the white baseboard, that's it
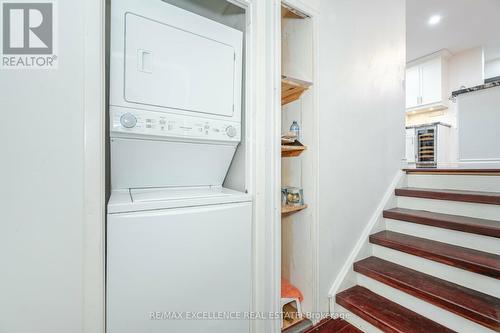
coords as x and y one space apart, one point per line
347 278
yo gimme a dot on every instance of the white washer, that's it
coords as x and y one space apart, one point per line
178 251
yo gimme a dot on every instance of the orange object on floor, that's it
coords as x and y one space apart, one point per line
288 290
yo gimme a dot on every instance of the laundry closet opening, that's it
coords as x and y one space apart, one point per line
180 205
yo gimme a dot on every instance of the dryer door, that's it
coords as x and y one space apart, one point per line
176 69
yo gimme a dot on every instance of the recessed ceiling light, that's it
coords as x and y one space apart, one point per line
434 19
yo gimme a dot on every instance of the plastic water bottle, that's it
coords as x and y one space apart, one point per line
295 128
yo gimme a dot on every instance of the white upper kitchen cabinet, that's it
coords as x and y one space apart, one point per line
426 83
412 87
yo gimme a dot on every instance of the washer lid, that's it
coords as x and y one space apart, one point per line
177 193
133 200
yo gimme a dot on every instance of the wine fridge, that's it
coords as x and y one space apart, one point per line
426 146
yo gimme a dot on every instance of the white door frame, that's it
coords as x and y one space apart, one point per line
93 279
263 156
264 153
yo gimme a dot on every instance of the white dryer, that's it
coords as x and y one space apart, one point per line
178 243
175 96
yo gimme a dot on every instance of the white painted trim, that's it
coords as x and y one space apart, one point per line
362 242
275 54
266 169
302 7
94 170
444 54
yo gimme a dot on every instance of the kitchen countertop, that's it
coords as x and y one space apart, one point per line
429 124
476 88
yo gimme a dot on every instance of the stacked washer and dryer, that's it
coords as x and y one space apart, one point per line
178 242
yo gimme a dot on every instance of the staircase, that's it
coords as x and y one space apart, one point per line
436 266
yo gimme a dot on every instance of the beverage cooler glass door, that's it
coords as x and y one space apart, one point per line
168 67
427 146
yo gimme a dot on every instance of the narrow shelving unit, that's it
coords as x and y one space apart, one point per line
297 173
292 89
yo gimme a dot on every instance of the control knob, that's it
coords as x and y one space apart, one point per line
231 131
128 120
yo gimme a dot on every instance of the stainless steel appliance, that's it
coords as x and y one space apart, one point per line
426 146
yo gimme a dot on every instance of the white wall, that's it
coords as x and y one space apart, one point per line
478 120
42 192
362 63
466 69
492 68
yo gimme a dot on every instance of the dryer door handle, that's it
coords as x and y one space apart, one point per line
144 61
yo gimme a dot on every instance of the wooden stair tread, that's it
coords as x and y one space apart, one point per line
333 326
472 260
385 314
473 305
454 222
453 195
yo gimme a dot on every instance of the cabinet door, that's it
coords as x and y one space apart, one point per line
410 145
412 87
431 82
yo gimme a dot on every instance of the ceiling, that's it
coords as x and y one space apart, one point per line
465 24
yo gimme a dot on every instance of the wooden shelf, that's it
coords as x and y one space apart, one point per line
288 209
292 89
292 151
290 12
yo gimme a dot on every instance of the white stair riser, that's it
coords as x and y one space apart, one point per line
484 211
459 276
421 307
456 182
464 239
356 321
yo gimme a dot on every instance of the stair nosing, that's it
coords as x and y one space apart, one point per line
489 198
426 294
454 261
370 316
444 221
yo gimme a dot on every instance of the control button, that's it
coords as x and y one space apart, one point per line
128 120
231 131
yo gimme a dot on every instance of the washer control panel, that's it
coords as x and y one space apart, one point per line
172 125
